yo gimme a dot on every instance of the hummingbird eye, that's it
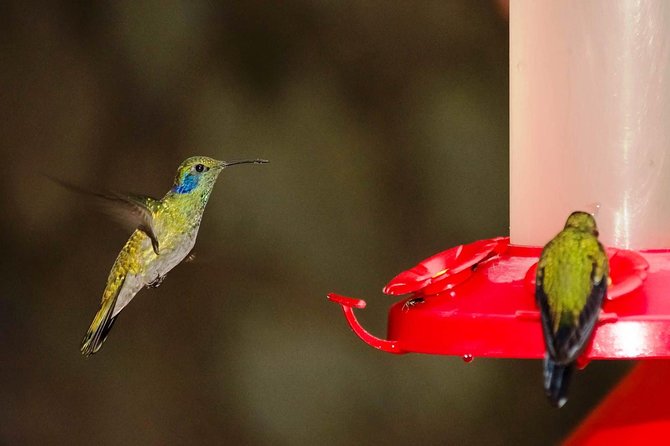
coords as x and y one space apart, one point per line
201 168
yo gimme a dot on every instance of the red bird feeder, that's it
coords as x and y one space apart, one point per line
589 89
478 300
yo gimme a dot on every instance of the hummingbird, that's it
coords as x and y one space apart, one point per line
164 234
571 282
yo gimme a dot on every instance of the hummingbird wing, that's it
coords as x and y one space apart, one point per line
575 338
542 301
131 210
568 341
135 211
565 340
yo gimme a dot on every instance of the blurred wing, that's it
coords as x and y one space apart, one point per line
135 211
132 211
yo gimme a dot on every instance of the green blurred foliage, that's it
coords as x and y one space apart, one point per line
387 127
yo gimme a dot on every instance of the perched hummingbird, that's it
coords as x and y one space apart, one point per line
571 282
165 232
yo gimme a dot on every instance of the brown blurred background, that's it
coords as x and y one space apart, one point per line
386 124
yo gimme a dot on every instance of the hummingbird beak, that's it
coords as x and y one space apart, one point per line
224 164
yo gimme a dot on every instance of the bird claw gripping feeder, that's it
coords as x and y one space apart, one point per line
589 107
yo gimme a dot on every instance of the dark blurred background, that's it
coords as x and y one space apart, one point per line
386 124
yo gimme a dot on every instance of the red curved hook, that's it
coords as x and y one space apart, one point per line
348 304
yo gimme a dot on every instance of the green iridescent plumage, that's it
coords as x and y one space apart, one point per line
165 233
572 277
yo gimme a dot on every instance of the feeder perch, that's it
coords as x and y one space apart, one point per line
477 300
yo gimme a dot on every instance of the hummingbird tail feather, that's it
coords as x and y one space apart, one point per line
100 327
556 381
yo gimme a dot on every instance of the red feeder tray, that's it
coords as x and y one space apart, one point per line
478 300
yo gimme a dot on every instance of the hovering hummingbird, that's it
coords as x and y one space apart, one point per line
571 282
165 232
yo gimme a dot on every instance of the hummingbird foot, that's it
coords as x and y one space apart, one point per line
156 282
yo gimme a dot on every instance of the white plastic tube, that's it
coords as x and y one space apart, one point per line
590 119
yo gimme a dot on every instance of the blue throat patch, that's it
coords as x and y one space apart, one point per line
189 183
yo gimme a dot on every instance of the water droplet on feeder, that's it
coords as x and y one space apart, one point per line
593 208
468 358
